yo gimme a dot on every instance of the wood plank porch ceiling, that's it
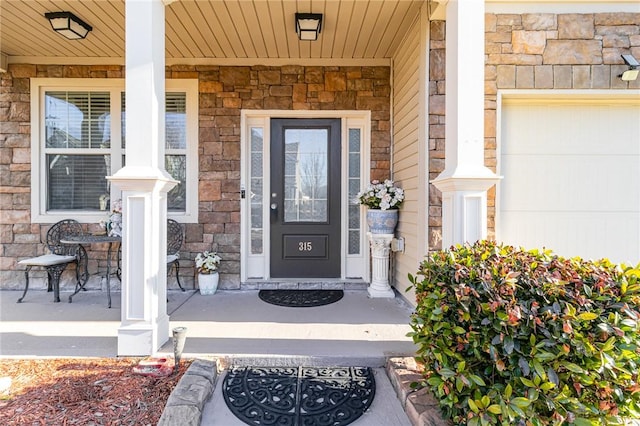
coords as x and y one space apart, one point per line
214 29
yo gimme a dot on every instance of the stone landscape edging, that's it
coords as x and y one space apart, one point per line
419 404
186 402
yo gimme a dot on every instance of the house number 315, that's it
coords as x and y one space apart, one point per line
305 246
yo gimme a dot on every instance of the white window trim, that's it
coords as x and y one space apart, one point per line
253 265
114 86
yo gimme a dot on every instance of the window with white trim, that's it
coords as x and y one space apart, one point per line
78 138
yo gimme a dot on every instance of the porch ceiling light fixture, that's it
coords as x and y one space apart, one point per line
633 71
68 24
308 25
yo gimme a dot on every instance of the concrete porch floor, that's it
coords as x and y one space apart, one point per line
233 325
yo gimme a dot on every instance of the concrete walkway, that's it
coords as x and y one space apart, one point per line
234 327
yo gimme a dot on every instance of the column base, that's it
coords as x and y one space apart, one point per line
143 339
378 293
464 207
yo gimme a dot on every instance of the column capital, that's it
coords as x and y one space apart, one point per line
462 183
130 178
380 240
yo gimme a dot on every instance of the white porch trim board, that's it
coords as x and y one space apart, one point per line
423 135
4 62
465 180
410 147
238 62
144 182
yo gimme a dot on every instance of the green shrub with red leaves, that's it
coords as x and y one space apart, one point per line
515 337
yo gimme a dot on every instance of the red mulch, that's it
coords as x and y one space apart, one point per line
94 391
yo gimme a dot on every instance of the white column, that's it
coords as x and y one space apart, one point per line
465 180
380 250
144 183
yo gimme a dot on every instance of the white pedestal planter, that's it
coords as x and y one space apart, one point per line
208 283
380 249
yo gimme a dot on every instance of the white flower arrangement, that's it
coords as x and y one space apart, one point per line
207 262
381 195
116 206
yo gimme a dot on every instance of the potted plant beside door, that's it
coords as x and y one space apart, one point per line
207 264
383 200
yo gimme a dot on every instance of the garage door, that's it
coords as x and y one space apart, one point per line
571 177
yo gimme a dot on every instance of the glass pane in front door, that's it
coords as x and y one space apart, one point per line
306 169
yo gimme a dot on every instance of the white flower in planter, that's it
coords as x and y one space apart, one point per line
381 195
207 262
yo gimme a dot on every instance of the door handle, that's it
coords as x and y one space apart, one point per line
274 208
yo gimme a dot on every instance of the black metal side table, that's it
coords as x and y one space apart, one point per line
95 239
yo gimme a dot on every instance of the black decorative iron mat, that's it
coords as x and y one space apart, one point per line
299 396
300 298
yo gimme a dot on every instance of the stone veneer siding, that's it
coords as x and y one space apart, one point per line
224 91
529 51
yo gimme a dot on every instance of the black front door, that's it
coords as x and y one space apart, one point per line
305 198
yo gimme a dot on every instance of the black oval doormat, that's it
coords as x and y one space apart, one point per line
297 396
300 298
